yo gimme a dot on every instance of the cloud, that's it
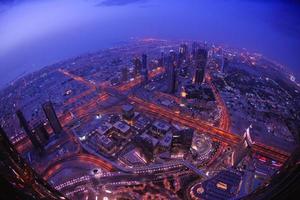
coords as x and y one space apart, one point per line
119 2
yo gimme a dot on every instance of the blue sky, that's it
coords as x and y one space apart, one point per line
36 33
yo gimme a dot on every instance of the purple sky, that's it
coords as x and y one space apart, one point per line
37 33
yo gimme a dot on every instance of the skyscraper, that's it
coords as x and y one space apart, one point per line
144 67
52 117
200 64
144 61
243 149
199 75
172 82
173 57
40 132
23 123
137 66
183 52
182 140
124 74
161 61
195 46
201 57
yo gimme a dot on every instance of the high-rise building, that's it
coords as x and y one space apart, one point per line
199 75
200 63
144 61
201 57
243 149
40 132
52 117
195 46
172 82
173 58
124 74
183 52
144 67
32 137
137 66
128 111
161 61
145 75
225 64
182 141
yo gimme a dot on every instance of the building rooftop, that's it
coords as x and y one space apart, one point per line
127 108
166 141
161 125
121 126
104 128
150 139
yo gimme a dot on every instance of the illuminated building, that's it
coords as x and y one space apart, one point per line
243 149
199 75
32 137
144 61
137 66
195 46
161 60
182 141
166 142
183 52
52 117
145 147
141 123
124 74
223 186
122 128
144 67
200 63
160 128
128 111
201 57
171 73
40 132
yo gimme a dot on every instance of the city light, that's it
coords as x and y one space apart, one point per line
137 123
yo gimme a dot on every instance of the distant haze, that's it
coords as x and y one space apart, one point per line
37 33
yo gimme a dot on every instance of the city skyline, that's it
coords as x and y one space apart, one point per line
272 28
149 99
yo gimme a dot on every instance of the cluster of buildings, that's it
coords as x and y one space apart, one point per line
136 139
127 137
225 185
37 132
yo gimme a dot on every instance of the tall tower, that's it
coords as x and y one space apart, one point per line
201 57
195 46
137 66
199 75
183 52
32 137
243 149
200 63
172 82
52 117
40 132
144 67
124 74
144 61
161 61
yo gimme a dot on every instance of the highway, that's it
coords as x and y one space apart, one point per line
86 158
217 133
221 134
225 118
